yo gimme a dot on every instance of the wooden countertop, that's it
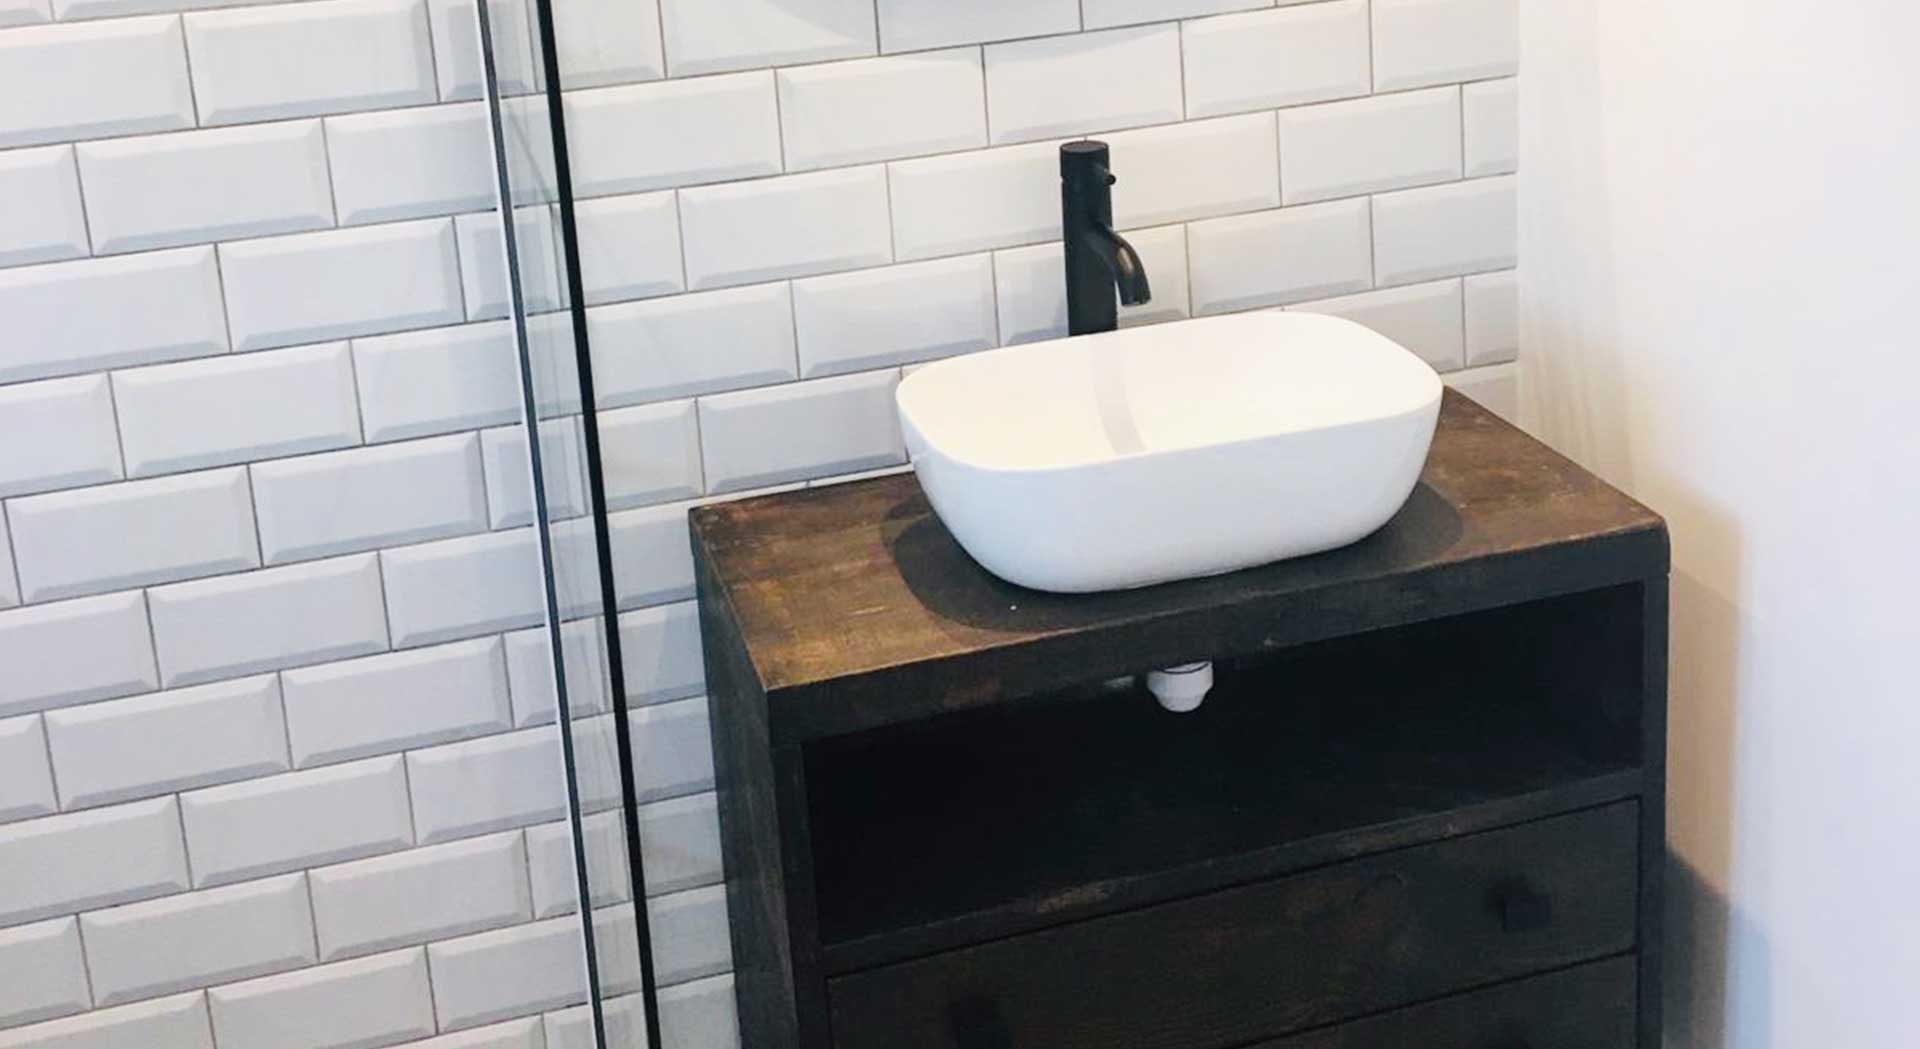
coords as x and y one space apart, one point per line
856 608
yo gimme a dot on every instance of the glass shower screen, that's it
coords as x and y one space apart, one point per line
626 739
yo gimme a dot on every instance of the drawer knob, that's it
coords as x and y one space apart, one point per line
1521 907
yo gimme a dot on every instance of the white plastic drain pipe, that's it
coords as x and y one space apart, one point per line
1180 689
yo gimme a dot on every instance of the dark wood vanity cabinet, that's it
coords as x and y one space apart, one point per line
1422 805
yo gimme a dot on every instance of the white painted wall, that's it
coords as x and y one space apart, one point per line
1718 221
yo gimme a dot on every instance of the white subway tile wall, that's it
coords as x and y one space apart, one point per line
276 757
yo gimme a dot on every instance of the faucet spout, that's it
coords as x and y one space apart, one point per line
1099 262
1122 262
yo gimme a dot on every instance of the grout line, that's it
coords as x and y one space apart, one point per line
893 246
993 290
186 847
1180 47
186 59
433 996
353 379
986 108
406 785
253 507
13 557
779 121
226 309
1373 255
113 406
386 614
1460 285
86 963
153 642
313 914
213 1036
80 192
326 168
53 774
433 52
286 726
1373 71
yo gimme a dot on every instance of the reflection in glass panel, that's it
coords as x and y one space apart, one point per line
587 857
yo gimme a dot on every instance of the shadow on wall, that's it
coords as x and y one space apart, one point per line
1715 949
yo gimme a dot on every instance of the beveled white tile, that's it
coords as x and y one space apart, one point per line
271 404
1069 85
419 895
1421 42
1274 257
46 976
76 651
265 620
1343 149
964 202
601 42
1441 231
26 778
894 315
297 819
483 262
367 1002
1283 57
806 429
436 381
62 864
290 60
54 228
1493 324
1195 170
305 287
364 707
915 25
198 938
458 588
651 454
89 314
159 191
456 48
652 561
880 108
49 76
344 502
57 434
112 537
690 344
410 163
179 1022
786 227
510 476
1493 132
1103 13
677 133
1424 318
630 247
711 36
104 752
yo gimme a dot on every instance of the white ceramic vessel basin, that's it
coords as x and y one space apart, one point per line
1159 453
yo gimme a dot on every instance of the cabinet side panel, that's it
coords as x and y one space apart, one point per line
749 827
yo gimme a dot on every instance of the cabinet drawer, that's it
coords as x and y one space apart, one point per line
1588 1007
1263 960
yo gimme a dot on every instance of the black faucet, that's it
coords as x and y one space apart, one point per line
1098 259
